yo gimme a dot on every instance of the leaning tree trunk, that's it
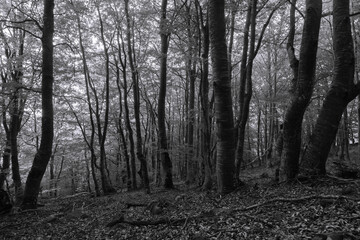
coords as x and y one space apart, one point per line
342 91
223 102
303 89
164 154
42 156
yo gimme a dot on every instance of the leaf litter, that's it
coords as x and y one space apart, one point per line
309 210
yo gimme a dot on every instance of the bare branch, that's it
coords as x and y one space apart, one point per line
27 31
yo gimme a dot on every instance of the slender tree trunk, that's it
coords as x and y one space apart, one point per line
204 98
102 131
223 102
42 157
135 78
164 154
246 81
304 83
52 172
344 137
16 105
342 91
191 76
90 143
122 134
5 168
123 61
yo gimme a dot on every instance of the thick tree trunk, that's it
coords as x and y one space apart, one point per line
303 91
223 103
341 92
42 157
164 154
357 73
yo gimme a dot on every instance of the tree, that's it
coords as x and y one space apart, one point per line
304 84
164 154
342 91
204 97
42 156
223 102
245 92
136 92
191 77
102 130
12 76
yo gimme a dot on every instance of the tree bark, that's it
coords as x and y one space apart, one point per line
303 91
42 157
204 98
164 154
223 103
342 91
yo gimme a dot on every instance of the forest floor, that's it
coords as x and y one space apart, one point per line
328 208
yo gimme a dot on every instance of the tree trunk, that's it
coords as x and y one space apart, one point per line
164 154
5 168
102 131
344 137
204 99
191 76
52 178
245 81
15 106
88 86
135 78
357 76
304 83
122 59
223 103
122 134
42 157
342 91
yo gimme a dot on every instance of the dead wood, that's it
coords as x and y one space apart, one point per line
294 200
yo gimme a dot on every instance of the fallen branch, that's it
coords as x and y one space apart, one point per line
160 221
306 198
343 180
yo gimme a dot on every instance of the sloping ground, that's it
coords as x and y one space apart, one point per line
324 209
